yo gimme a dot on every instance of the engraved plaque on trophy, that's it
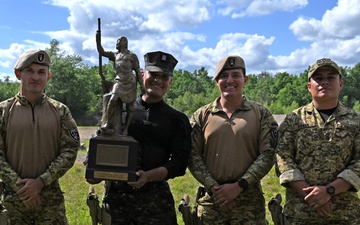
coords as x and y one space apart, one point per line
113 158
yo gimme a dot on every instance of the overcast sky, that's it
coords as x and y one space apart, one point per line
271 35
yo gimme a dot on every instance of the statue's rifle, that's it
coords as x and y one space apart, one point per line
100 62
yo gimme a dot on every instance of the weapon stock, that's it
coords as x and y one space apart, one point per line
190 216
100 62
93 203
185 209
276 211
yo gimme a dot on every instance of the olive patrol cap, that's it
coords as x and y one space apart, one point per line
32 56
160 62
324 62
228 63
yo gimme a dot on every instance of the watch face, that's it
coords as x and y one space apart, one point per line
330 190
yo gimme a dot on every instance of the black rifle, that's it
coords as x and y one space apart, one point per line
103 81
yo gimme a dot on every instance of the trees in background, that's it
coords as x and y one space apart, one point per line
79 87
190 91
350 95
75 84
8 88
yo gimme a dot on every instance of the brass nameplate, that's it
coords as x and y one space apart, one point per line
111 175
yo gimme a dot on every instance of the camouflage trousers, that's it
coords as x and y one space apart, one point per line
246 212
50 212
323 221
153 206
3 217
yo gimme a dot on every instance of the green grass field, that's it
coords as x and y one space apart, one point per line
76 191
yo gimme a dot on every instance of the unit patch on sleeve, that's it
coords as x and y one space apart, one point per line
74 134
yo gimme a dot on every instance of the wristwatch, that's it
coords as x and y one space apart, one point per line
330 190
243 184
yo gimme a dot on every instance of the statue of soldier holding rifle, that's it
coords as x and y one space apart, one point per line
123 90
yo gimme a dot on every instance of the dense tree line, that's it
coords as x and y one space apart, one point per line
78 85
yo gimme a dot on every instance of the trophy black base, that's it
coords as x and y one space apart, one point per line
113 158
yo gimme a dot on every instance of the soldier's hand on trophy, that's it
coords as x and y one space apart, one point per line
142 179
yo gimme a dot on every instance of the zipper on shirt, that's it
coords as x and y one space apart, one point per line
33 112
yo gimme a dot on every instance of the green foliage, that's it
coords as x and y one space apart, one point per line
288 91
351 89
74 84
280 92
8 88
76 189
357 106
188 102
190 91
258 88
278 108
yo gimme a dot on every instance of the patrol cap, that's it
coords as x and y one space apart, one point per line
228 63
32 56
324 62
160 62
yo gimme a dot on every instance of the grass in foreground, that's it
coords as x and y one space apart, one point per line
76 191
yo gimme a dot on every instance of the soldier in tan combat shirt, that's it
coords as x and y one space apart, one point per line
38 144
318 154
234 142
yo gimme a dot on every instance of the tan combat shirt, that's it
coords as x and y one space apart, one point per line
36 141
227 149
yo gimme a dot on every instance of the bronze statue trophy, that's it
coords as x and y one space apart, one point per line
113 155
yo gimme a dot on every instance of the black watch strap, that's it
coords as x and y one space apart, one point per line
330 190
243 184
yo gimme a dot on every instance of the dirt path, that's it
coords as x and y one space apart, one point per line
85 134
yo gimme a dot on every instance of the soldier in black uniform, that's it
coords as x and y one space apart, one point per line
164 136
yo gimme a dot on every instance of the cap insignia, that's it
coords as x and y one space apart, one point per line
231 62
324 61
163 57
41 57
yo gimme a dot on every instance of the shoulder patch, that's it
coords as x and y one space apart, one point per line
74 134
274 134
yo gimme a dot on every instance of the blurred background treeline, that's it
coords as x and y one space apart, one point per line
78 85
